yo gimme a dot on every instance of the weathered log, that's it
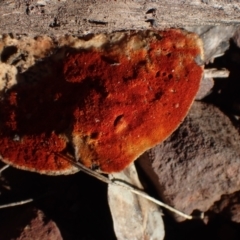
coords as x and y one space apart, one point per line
78 17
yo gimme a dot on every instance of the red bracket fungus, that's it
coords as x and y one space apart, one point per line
110 100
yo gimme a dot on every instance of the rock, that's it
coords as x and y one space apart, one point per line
215 39
134 217
228 206
40 228
199 163
30 223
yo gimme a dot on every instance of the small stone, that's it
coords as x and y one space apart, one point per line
215 39
199 162
30 223
40 228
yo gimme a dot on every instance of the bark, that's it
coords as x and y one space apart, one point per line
78 17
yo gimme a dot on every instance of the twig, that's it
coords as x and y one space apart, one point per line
216 73
128 187
144 195
114 182
3 168
16 203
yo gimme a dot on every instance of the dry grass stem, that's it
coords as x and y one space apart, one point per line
3 168
16 203
118 182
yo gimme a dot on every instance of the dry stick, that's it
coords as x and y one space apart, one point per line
112 182
3 168
16 203
216 73
132 189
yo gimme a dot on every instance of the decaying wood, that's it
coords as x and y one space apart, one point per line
216 73
78 17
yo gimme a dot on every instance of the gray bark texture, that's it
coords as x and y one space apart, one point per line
81 17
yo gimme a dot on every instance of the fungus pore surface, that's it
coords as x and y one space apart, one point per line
105 102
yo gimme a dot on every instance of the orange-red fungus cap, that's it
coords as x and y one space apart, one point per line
111 99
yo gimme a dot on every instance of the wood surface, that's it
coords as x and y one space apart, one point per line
80 17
